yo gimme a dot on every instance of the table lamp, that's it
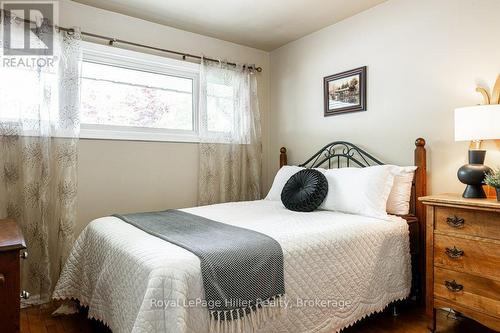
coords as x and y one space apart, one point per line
476 123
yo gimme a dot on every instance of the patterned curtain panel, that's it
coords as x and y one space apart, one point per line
230 150
39 129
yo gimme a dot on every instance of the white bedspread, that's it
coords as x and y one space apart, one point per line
338 269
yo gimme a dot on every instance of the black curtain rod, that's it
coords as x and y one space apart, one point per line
112 41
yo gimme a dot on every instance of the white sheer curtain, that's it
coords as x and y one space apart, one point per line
39 129
230 150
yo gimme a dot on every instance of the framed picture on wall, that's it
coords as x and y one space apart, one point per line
345 92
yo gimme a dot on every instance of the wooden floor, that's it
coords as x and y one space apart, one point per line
410 320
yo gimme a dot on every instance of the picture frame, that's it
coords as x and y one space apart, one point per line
345 92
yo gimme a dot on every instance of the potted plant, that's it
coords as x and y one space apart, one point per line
493 179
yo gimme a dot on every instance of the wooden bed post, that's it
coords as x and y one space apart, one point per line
283 157
420 178
420 213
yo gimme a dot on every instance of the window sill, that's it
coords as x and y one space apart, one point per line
99 134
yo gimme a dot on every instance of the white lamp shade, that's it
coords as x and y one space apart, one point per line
481 122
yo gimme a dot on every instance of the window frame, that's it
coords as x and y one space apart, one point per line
129 59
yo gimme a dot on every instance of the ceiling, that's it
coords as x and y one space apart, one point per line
262 24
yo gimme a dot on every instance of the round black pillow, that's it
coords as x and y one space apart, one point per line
305 191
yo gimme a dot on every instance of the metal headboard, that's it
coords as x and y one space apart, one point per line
341 153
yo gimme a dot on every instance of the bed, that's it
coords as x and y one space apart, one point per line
338 267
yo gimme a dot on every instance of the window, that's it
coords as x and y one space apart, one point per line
220 107
135 96
128 97
24 103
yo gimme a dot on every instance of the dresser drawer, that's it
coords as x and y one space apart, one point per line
475 256
468 222
474 292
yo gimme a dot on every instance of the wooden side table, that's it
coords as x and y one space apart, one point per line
463 258
11 251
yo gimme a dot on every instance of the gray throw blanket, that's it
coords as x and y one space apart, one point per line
242 269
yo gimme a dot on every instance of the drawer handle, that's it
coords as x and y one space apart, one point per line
454 253
25 294
24 255
455 222
453 286
2 279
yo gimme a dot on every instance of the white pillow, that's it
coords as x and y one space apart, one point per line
362 191
280 180
398 202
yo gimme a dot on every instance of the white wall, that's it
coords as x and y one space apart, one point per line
126 176
424 59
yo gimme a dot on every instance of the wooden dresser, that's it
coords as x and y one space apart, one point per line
463 258
11 251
